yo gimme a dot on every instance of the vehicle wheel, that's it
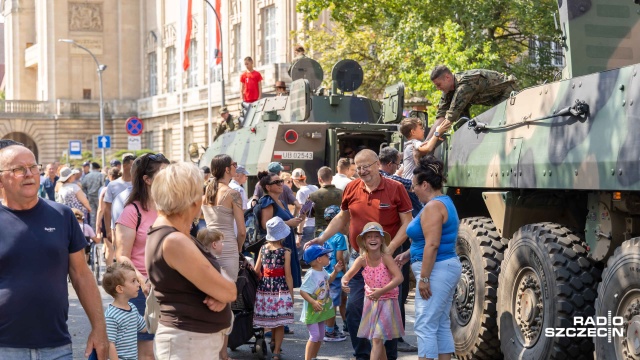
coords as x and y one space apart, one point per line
261 349
546 280
473 314
619 295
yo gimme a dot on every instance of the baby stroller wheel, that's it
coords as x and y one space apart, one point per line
261 349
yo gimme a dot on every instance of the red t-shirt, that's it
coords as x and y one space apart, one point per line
251 81
384 206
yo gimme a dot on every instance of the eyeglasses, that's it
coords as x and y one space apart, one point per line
365 167
276 182
22 171
234 164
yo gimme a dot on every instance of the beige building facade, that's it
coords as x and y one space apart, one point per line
52 87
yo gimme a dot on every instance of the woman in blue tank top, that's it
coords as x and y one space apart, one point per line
434 261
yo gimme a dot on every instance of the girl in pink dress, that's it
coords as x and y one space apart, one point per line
381 319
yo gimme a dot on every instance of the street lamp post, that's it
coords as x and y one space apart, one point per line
100 69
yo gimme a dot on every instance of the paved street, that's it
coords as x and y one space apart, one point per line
293 346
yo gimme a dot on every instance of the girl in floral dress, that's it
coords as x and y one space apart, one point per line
274 299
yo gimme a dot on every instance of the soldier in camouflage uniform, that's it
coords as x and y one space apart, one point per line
227 124
461 90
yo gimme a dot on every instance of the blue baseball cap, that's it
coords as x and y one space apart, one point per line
313 252
275 167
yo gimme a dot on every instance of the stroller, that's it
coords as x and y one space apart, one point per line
243 329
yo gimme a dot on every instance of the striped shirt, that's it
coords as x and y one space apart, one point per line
122 328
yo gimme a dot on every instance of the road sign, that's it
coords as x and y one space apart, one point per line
75 149
104 142
134 126
135 143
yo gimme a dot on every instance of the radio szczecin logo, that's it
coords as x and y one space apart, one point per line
591 326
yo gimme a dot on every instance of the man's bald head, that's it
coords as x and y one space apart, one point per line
9 152
366 155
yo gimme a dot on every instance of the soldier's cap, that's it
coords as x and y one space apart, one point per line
275 167
241 170
115 162
298 174
224 110
281 84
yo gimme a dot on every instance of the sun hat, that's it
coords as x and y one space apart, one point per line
277 229
66 173
275 167
373 226
298 174
313 252
241 170
331 211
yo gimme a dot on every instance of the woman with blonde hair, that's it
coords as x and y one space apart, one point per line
183 272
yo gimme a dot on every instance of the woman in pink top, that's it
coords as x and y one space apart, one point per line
131 233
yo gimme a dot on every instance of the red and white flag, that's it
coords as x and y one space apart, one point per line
213 35
186 23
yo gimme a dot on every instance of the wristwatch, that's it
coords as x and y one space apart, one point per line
436 134
425 280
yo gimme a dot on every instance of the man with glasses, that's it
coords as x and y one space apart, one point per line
369 198
41 245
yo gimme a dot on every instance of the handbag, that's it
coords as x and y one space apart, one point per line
152 312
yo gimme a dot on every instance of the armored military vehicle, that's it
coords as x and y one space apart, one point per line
312 126
547 185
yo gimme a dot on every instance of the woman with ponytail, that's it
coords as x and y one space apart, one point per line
222 209
137 217
434 261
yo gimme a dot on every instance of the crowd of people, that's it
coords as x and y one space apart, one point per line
349 253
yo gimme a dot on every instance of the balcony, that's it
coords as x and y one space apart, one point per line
68 109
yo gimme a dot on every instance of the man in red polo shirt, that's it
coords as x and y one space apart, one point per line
369 198
250 79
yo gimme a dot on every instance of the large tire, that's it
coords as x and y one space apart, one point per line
546 280
473 314
619 294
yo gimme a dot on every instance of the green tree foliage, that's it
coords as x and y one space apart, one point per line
402 40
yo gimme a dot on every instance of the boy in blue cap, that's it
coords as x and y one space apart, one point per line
318 305
338 246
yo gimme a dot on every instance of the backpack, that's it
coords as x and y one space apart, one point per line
255 233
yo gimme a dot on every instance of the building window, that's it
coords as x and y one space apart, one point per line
171 69
546 52
148 140
86 94
153 74
269 35
193 64
167 142
237 47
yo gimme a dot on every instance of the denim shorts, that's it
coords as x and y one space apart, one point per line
433 324
140 303
63 352
335 291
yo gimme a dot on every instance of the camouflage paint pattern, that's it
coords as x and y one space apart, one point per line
600 35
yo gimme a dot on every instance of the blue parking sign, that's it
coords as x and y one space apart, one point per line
104 142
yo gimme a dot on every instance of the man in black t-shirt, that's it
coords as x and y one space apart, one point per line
42 244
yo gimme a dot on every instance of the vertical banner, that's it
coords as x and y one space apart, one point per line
186 23
213 35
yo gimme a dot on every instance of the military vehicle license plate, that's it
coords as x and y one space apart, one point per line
293 155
